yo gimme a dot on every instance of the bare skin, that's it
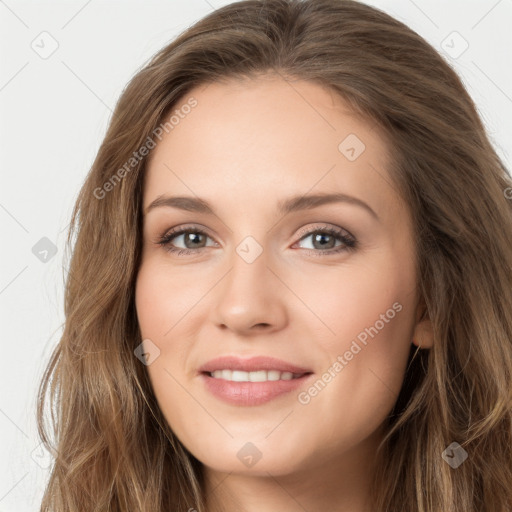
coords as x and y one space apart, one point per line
246 147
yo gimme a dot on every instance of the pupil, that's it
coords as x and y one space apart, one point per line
322 236
193 237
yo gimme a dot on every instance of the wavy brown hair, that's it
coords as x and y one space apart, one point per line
114 450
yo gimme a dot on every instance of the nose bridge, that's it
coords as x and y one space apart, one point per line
249 294
249 260
249 275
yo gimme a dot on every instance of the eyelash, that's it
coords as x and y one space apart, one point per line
350 243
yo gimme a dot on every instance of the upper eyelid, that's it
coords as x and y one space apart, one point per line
327 227
181 229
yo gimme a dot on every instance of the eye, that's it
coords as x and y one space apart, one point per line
323 241
192 237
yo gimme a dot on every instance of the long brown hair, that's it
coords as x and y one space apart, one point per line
113 448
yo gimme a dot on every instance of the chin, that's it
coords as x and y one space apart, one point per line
258 458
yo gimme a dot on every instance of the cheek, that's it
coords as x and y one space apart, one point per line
350 299
164 296
161 313
370 313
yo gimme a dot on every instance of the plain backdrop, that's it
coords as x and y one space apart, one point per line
63 67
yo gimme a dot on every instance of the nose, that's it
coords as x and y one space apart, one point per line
249 299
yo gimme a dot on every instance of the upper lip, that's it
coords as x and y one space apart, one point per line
251 364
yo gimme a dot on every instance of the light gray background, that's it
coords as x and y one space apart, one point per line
53 115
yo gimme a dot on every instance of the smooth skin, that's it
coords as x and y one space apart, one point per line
248 145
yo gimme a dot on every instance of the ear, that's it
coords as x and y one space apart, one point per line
423 336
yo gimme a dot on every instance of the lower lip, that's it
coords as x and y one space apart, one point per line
250 393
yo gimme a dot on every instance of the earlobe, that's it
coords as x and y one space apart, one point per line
423 336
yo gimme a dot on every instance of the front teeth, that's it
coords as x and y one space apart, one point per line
258 376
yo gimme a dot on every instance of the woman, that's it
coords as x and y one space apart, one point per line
291 283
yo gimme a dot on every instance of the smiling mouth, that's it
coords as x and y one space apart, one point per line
254 376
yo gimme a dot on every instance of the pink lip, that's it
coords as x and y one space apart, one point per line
250 393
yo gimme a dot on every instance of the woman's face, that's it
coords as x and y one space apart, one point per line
266 279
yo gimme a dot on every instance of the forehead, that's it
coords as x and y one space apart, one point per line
249 138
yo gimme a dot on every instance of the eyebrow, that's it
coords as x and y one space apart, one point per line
292 204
